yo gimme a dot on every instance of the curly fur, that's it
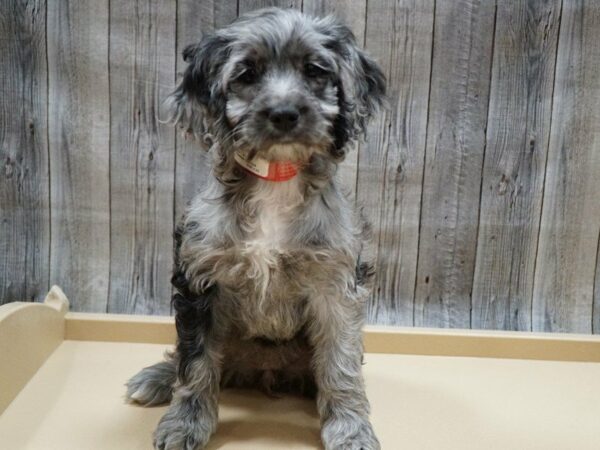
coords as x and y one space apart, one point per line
271 288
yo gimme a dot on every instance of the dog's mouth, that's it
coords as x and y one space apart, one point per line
285 151
293 152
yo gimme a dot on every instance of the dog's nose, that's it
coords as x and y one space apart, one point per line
284 118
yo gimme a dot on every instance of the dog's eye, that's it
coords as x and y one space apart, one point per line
314 71
248 75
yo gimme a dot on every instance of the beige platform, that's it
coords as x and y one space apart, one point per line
433 398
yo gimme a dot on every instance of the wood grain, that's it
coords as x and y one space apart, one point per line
79 154
346 10
250 5
570 224
596 305
483 217
142 156
515 159
24 184
458 106
192 164
399 36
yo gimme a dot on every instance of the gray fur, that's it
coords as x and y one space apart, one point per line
153 385
271 285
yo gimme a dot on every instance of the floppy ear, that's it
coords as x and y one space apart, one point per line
198 98
361 85
369 87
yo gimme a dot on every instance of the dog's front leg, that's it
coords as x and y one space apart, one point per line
193 413
336 336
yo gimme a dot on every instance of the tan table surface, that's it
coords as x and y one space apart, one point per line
75 401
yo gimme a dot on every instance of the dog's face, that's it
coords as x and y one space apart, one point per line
280 85
281 93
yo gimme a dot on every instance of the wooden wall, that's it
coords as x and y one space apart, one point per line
481 179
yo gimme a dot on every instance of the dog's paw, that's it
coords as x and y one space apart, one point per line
183 427
152 385
349 434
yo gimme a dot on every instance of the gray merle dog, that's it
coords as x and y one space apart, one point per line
271 288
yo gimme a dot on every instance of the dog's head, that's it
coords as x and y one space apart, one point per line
278 84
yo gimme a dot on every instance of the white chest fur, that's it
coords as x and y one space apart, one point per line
274 204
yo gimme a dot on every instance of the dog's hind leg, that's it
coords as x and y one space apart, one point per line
153 385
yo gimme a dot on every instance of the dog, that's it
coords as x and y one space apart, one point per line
270 276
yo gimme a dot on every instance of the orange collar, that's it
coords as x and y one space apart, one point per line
267 170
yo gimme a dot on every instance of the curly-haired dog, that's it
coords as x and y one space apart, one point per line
271 288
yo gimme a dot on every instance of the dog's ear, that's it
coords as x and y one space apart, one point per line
198 97
361 85
370 86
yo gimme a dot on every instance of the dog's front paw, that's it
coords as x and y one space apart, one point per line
349 434
153 385
182 428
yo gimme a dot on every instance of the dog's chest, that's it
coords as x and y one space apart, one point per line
274 208
268 301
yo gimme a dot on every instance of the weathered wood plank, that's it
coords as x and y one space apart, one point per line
24 185
250 5
142 156
399 36
596 306
565 268
458 105
79 154
192 165
129 220
515 158
352 13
